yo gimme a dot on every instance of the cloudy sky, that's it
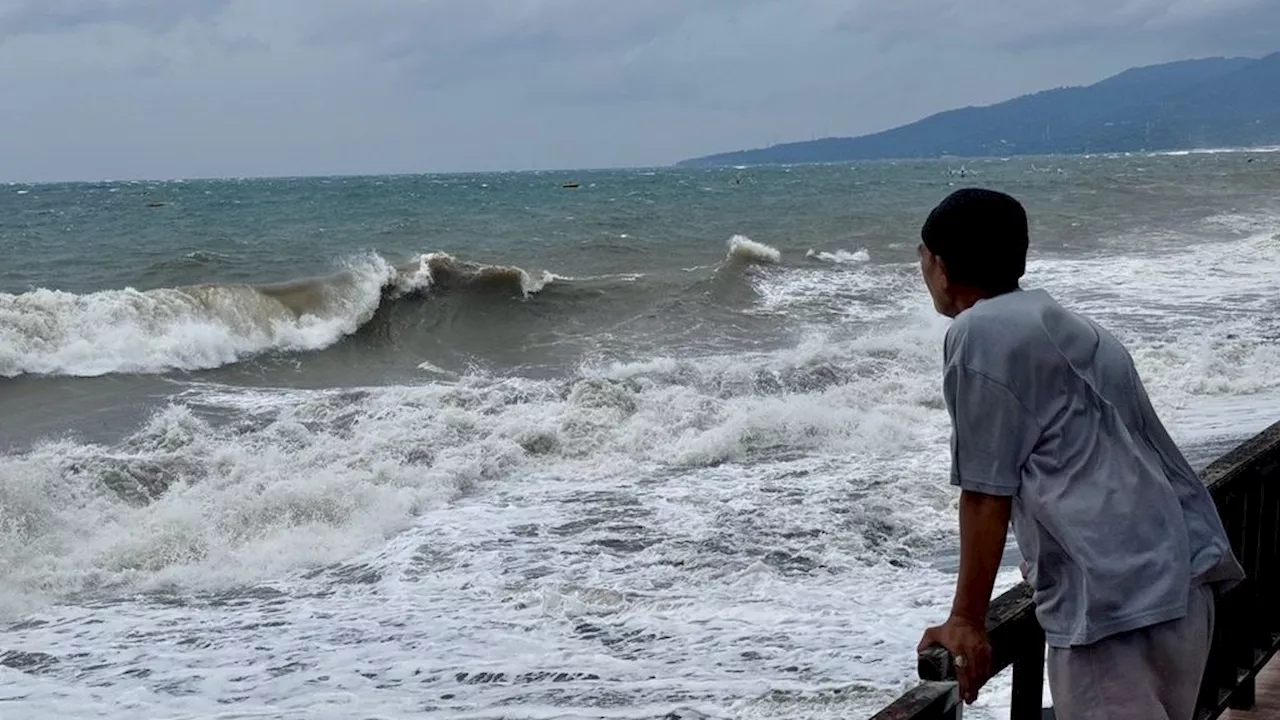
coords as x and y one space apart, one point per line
97 89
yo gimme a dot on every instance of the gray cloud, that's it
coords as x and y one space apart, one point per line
26 17
238 87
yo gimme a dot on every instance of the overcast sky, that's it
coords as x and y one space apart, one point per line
113 89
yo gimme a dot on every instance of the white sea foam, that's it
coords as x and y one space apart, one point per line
840 257
431 368
50 332
328 472
744 249
864 294
1217 151
658 517
441 269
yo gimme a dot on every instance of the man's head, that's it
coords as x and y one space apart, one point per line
975 247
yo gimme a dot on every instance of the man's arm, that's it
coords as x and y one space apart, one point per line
984 525
993 434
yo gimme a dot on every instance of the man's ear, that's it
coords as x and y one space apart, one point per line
944 280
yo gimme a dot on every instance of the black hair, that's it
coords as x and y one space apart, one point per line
981 236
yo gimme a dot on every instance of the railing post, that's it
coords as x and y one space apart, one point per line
1245 485
1028 656
935 665
1245 696
1028 678
1269 554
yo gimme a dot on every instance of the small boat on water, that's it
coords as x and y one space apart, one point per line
570 185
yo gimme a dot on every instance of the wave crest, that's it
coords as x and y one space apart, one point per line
839 257
745 250
440 271
50 332
200 327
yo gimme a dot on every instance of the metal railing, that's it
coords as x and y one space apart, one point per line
1245 484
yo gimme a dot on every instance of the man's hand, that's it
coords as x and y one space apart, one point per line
971 650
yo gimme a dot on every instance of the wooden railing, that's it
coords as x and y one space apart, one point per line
1245 484
1246 487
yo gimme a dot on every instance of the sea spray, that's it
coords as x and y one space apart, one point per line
302 478
744 249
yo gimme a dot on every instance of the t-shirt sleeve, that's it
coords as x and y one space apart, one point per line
992 431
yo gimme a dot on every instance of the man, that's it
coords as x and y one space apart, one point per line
1052 427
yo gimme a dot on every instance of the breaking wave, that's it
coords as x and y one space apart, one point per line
199 327
305 478
839 257
745 250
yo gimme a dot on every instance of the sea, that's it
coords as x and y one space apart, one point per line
645 443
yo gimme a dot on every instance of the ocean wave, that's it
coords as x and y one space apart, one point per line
839 257
195 258
440 271
285 479
229 486
200 327
743 249
1216 151
289 479
49 332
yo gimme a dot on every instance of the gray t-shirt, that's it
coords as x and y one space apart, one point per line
1047 407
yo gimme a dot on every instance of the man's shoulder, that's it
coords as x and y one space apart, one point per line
1012 330
999 322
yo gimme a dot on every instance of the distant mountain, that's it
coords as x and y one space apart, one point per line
1215 102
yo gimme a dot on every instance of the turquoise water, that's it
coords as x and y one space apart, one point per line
85 237
666 444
